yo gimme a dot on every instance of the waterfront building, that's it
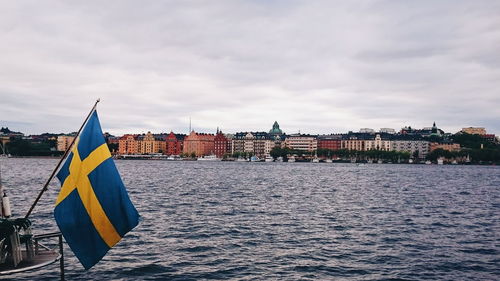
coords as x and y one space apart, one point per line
411 146
332 142
277 135
268 146
149 143
173 144
64 141
254 143
378 143
222 145
446 146
353 144
128 144
355 141
200 144
276 131
474 130
301 142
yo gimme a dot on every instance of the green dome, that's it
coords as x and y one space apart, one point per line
276 129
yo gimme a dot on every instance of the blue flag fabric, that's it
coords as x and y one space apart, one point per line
93 210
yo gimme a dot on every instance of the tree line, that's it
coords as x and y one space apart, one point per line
393 156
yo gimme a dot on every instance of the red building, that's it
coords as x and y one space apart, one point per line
332 142
222 145
489 137
199 144
174 144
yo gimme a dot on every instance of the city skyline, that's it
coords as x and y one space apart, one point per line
318 67
190 129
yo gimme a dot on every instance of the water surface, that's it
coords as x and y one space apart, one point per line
287 221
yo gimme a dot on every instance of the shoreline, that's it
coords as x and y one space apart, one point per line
337 162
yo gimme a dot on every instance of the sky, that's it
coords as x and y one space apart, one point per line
316 67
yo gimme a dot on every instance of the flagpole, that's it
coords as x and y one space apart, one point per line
60 161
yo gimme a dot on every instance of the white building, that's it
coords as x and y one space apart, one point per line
268 146
367 130
301 142
411 146
388 131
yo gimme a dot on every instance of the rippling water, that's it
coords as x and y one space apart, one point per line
288 221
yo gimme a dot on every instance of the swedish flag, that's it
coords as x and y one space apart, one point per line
93 210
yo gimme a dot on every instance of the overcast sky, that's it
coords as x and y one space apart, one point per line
313 66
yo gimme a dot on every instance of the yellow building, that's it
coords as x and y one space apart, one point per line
353 144
63 142
378 144
474 130
149 144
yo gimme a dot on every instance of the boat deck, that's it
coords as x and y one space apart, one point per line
44 257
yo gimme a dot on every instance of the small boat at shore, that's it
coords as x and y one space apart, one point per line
255 159
208 158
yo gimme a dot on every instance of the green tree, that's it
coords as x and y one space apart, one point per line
416 154
113 147
472 141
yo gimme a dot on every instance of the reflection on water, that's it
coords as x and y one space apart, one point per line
288 221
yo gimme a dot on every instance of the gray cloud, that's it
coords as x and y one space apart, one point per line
315 66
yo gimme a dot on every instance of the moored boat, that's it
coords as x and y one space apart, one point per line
20 250
255 159
208 158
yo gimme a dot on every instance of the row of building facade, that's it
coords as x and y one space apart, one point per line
416 142
261 143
